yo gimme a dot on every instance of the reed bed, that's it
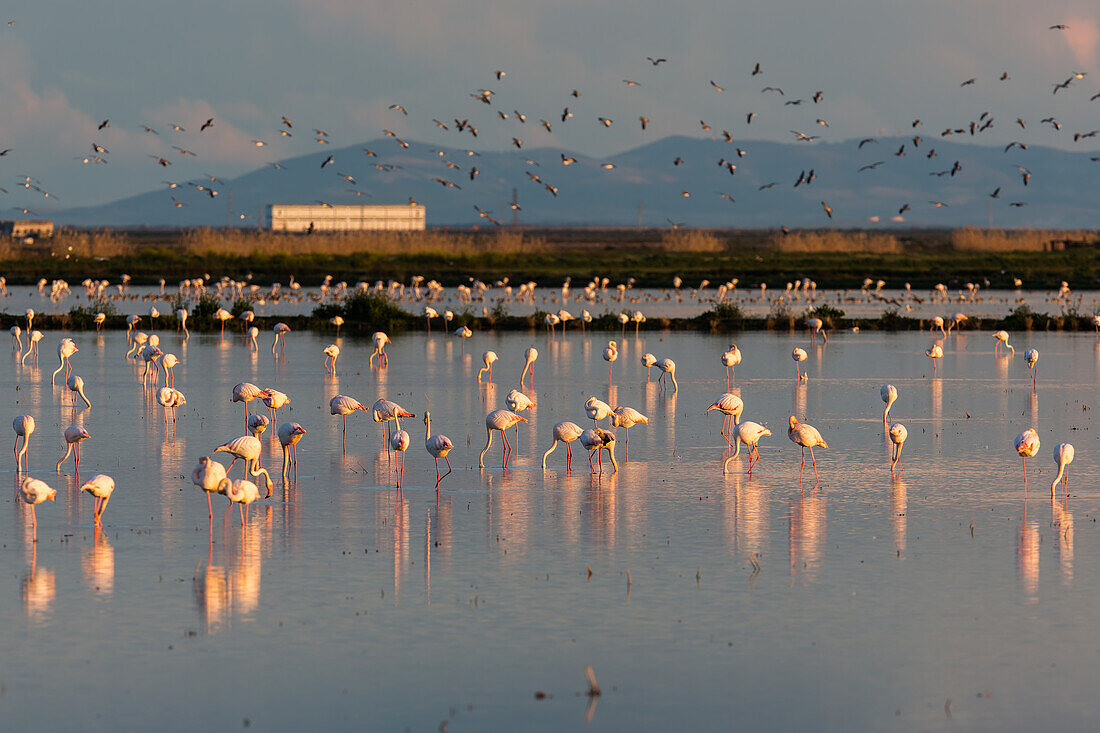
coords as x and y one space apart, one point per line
972 239
246 243
836 241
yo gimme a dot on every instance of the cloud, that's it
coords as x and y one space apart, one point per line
1083 38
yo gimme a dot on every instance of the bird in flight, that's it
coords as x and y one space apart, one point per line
772 89
644 120
400 109
630 83
208 124
1059 27
828 209
103 124
718 88
865 141
871 166
654 61
756 70
968 83
327 161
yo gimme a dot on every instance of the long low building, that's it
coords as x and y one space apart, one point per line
339 218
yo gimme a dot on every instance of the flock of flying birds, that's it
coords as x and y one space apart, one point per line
519 130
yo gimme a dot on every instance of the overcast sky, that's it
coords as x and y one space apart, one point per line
337 65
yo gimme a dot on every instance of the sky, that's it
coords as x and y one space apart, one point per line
338 65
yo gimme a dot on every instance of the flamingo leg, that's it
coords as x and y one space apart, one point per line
209 506
803 467
814 461
344 438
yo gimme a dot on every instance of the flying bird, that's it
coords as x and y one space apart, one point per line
206 125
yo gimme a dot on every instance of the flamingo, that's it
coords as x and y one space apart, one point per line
551 320
380 340
139 341
668 369
281 329
500 420
100 486
730 359
337 321
586 318
1027 445
816 326
242 493
30 319
23 426
221 314
935 353
564 432
463 333
898 434
65 349
343 405
253 334
76 385
596 440
181 318
799 356
889 395
132 321
488 358
332 351
99 320
275 399
626 418
430 313
289 433
32 347
937 322
35 491
248 449
207 475
563 317
648 360
399 442
956 322
610 354
246 392
1063 456
597 409
384 411
170 397
749 433
1001 338
149 355
1032 358
529 357
806 436
246 318
257 424
169 362
731 406
73 436
623 320
438 446
16 338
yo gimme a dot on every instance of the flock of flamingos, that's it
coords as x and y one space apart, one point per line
212 476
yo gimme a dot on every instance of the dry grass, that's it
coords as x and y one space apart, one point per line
690 240
972 239
245 243
68 243
836 241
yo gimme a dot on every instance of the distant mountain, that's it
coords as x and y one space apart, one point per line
646 183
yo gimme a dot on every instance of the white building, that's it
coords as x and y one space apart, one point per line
339 218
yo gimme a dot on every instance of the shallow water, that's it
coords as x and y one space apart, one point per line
344 604
684 302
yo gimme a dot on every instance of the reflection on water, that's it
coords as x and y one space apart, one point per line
333 555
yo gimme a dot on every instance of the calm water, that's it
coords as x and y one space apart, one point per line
345 605
685 302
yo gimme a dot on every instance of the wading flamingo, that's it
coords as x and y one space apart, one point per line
805 436
935 353
275 400
595 440
730 360
597 410
73 437
399 442
332 351
529 357
816 326
170 397
564 432
648 360
281 329
380 340
749 433
343 405
731 406
1032 358
668 369
23 426
289 433
207 475
257 424
34 491
799 356
1001 338
1027 445
242 493
246 392
626 418
1063 456
76 385
169 362
500 420
248 449
898 434
100 486
889 395
610 354
488 358
438 446
65 349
